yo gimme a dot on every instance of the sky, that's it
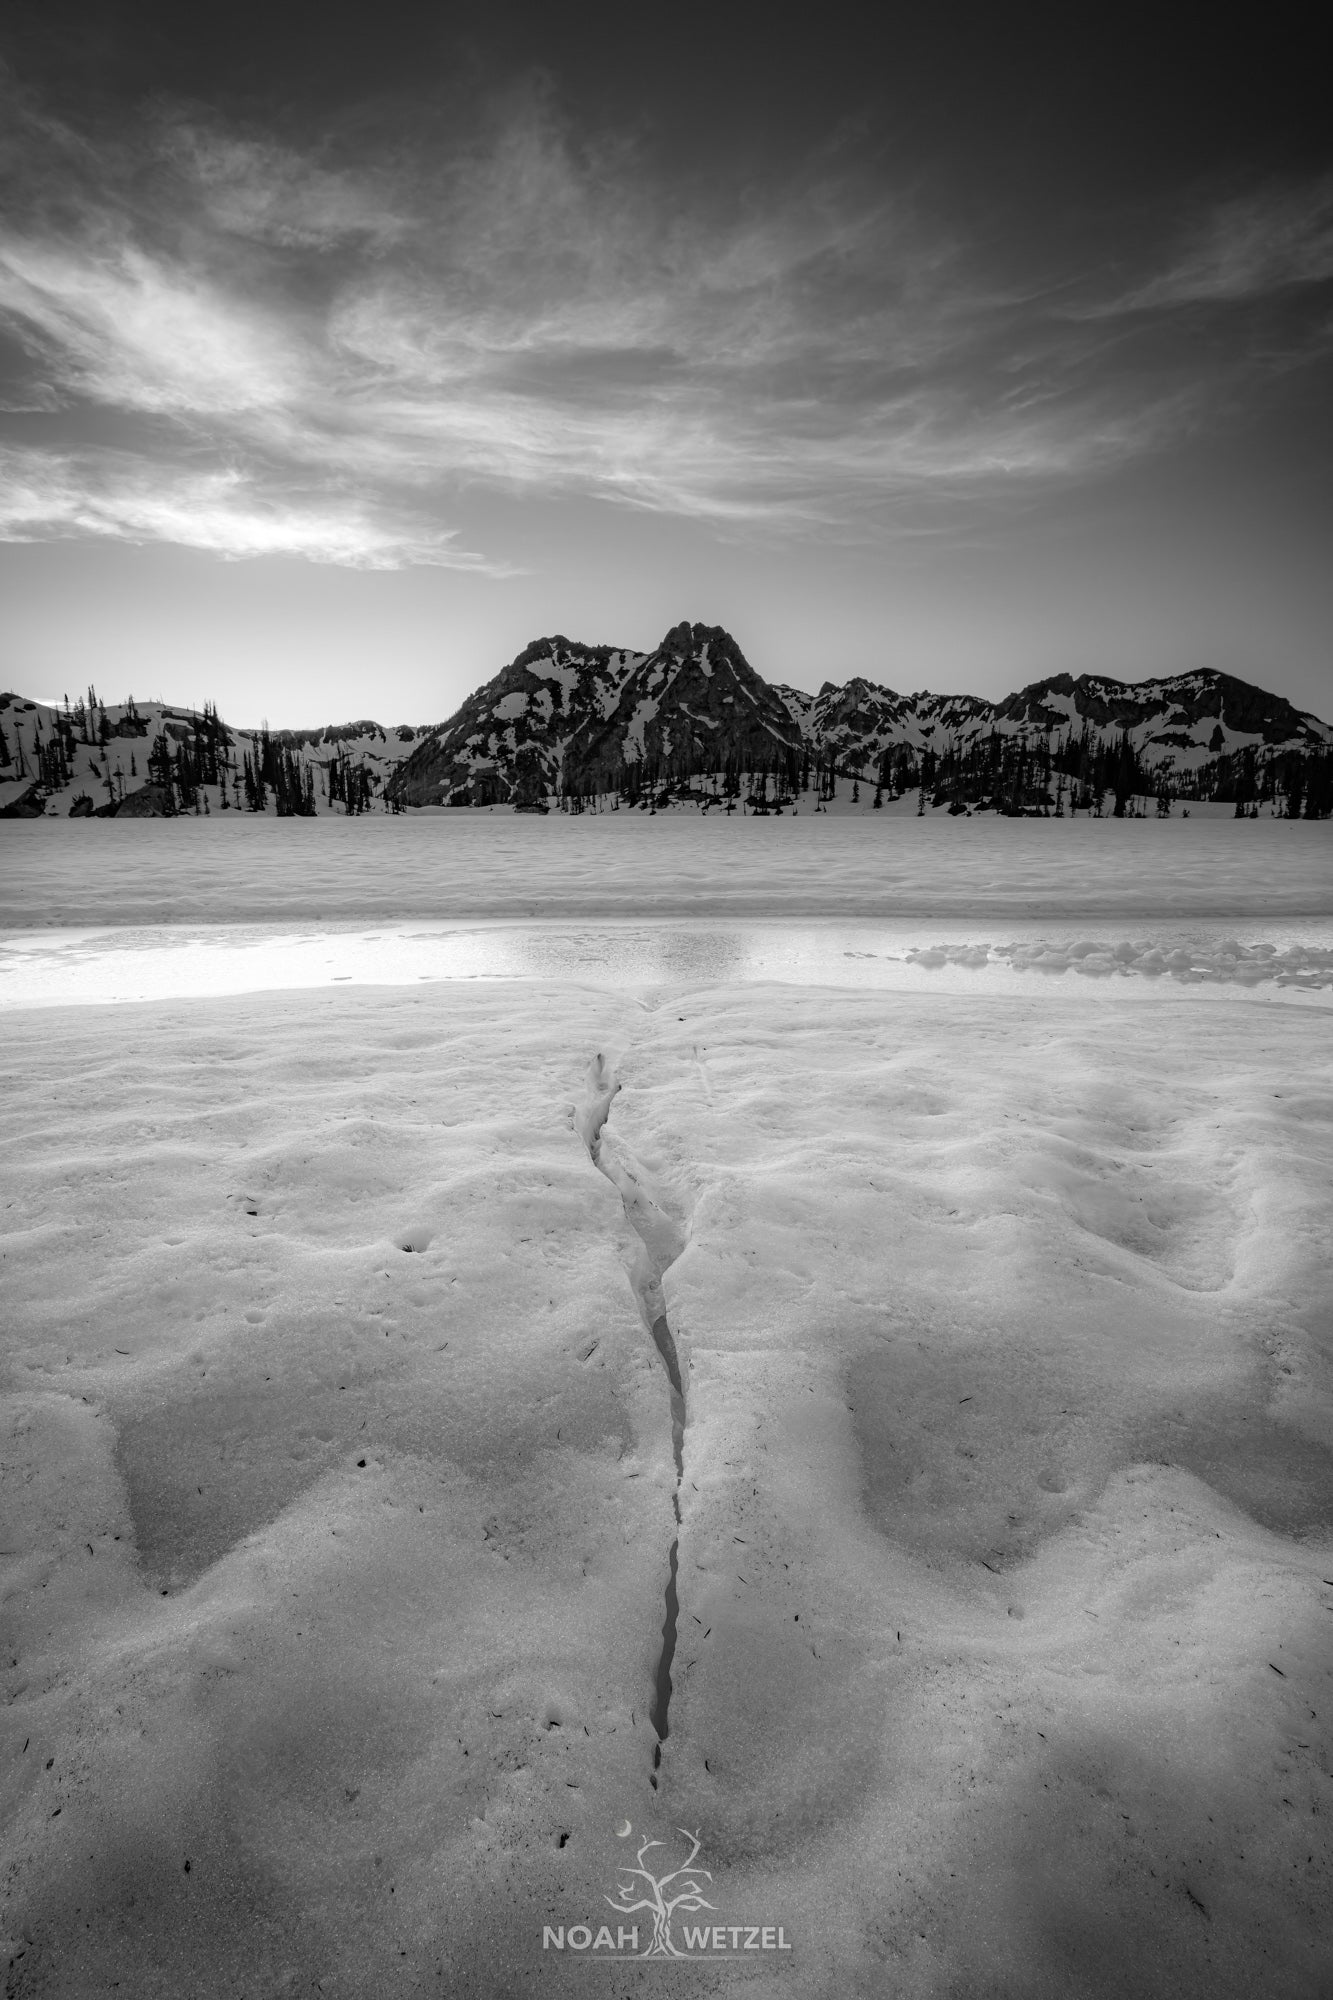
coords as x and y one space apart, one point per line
343 351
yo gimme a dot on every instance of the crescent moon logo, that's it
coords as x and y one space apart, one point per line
624 1832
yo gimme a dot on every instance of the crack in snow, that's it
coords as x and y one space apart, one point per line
660 1243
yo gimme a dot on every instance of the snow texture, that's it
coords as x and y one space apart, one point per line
338 1455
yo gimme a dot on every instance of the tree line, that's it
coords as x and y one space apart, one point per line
193 758
190 760
1018 776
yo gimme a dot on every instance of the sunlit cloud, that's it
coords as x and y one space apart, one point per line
322 355
117 497
121 327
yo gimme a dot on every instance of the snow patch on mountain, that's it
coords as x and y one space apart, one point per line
569 717
91 758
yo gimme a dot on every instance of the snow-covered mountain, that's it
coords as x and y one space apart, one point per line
579 718
586 719
572 720
1174 725
97 759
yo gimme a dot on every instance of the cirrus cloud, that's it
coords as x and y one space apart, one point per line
118 496
322 353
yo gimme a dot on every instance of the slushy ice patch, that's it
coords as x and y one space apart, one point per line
660 1242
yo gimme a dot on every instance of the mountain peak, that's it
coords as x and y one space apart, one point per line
567 717
696 704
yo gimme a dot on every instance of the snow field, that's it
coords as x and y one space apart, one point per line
1009 1472
1001 1660
504 866
372 1597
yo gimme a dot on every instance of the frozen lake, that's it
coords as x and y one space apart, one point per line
859 866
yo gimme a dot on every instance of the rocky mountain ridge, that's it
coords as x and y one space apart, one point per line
570 720
585 719
564 720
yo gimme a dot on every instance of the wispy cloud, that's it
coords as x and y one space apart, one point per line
264 191
118 496
1238 250
121 327
319 353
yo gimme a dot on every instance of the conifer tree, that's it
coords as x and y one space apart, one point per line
1295 790
160 772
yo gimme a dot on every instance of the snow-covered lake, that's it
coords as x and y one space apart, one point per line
857 865
347 1500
